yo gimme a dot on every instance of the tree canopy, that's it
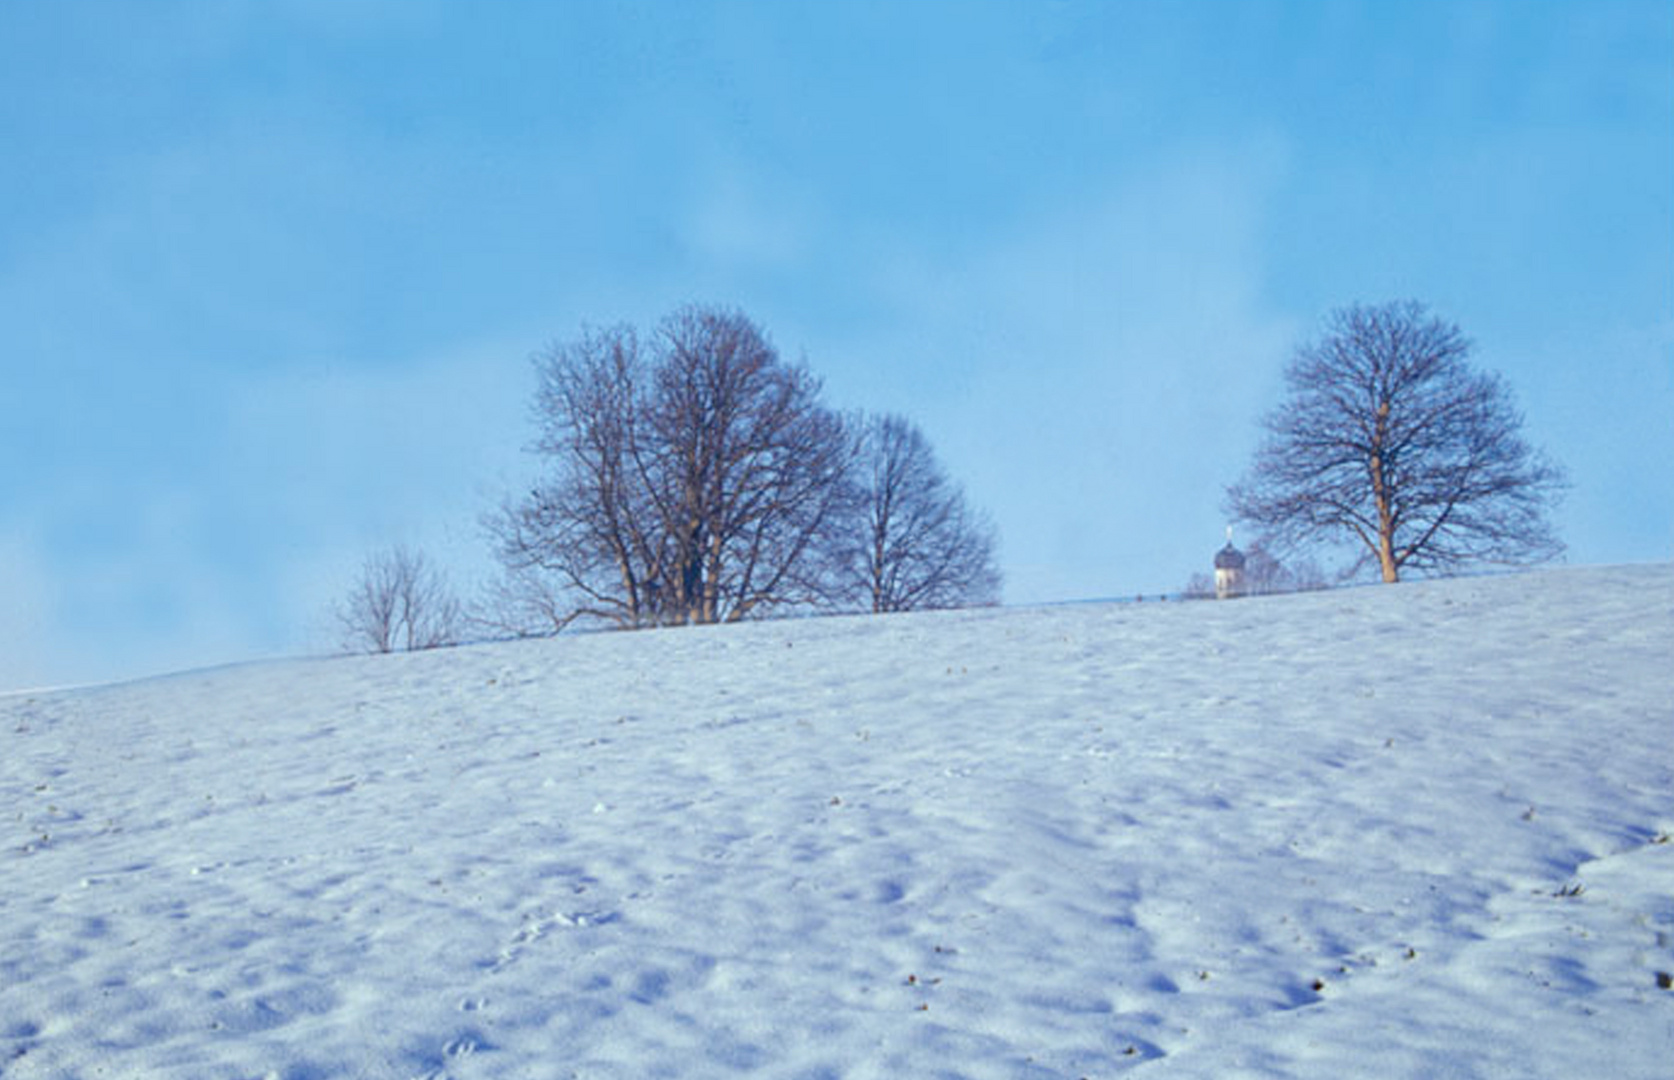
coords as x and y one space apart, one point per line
1389 440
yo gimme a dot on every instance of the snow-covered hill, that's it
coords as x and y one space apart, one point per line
1402 832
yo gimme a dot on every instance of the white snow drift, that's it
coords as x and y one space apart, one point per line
1405 832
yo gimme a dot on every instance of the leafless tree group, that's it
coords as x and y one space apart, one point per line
1391 442
696 477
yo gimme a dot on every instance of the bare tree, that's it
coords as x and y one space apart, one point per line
921 545
1391 442
749 472
697 480
581 543
401 602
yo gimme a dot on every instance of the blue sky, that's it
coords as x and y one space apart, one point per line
271 273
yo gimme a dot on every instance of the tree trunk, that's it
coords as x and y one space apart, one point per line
1381 496
1386 558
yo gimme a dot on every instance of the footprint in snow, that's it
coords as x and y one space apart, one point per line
537 927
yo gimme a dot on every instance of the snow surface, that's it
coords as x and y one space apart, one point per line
1403 832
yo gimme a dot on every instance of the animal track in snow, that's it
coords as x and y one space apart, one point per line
536 927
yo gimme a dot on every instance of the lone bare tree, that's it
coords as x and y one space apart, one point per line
401 602
695 480
1390 441
921 545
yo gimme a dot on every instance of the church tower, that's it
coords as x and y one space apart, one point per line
1229 570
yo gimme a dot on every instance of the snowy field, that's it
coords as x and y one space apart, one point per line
1395 832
